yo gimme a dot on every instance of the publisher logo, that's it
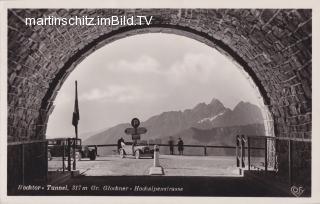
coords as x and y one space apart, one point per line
297 191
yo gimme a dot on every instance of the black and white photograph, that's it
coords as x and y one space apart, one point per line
159 102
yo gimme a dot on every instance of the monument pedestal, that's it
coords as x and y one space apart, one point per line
156 169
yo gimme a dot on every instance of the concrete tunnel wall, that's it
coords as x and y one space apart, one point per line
273 46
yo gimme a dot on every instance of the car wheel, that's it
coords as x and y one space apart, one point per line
122 153
92 155
137 154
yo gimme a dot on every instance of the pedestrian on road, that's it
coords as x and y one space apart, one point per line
180 146
121 140
171 146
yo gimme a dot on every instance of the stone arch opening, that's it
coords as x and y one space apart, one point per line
277 58
200 37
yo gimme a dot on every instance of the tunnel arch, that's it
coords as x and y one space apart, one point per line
273 47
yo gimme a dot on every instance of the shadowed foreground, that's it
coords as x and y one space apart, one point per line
145 185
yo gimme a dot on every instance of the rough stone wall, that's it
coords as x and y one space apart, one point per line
273 46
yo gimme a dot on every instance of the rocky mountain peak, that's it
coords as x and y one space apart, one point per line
202 116
215 101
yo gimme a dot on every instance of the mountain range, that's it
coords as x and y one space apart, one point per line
211 124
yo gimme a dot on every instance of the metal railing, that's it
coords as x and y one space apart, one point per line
196 150
253 154
288 159
62 154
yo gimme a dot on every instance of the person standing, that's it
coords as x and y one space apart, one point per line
171 146
121 140
180 146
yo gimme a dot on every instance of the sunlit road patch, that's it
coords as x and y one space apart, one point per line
199 166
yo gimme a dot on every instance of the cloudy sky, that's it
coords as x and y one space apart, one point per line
144 75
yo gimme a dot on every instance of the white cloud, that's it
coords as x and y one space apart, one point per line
118 94
143 64
112 92
94 94
203 69
62 98
192 68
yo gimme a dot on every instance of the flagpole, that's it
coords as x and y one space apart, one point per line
76 126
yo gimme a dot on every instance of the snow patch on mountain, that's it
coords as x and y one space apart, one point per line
211 118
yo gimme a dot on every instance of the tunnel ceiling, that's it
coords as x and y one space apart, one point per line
273 46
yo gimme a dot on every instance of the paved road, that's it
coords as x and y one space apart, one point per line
186 175
173 165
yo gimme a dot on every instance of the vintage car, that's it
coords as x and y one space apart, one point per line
138 150
58 147
87 152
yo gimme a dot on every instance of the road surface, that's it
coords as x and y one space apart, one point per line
184 176
173 165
